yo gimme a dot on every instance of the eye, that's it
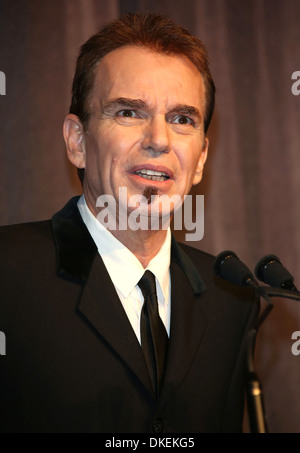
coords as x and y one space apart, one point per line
183 120
127 113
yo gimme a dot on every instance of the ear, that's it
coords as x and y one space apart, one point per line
73 135
201 162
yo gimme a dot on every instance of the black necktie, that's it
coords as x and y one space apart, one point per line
154 338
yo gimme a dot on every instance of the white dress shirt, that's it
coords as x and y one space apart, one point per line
125 270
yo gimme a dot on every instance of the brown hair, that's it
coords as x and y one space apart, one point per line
153 31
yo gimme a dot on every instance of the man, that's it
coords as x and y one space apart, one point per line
73 307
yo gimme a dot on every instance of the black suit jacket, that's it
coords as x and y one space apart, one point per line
73 363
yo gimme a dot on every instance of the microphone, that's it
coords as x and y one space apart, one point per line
229 267
270 270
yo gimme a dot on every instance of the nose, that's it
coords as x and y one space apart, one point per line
156 135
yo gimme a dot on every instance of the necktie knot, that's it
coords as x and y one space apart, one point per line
147 284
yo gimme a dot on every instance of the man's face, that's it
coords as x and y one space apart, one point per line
145 130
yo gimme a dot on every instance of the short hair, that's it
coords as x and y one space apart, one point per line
153 31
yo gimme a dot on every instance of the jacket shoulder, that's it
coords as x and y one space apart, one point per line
23 233
29 233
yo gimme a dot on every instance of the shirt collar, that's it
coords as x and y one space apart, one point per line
124 268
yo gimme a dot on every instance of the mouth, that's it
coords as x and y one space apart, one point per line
152 175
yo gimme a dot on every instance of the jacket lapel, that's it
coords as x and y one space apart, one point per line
75 247
188 320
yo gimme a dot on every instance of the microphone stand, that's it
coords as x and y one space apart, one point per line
254 392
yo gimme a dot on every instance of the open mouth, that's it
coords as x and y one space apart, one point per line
152 175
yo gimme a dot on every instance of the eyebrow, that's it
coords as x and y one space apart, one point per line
190 110
112 105
182 109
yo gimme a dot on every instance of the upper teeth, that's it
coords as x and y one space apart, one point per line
152 174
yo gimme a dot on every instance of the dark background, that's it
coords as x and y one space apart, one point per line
251 181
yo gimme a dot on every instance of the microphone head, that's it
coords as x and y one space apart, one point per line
229 267
270 270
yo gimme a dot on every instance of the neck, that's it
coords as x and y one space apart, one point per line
144 244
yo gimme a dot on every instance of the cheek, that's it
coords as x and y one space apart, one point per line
126 138
118 141
188 155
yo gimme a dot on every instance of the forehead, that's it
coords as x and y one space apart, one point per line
138 72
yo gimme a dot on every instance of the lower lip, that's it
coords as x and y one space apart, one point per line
150 183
